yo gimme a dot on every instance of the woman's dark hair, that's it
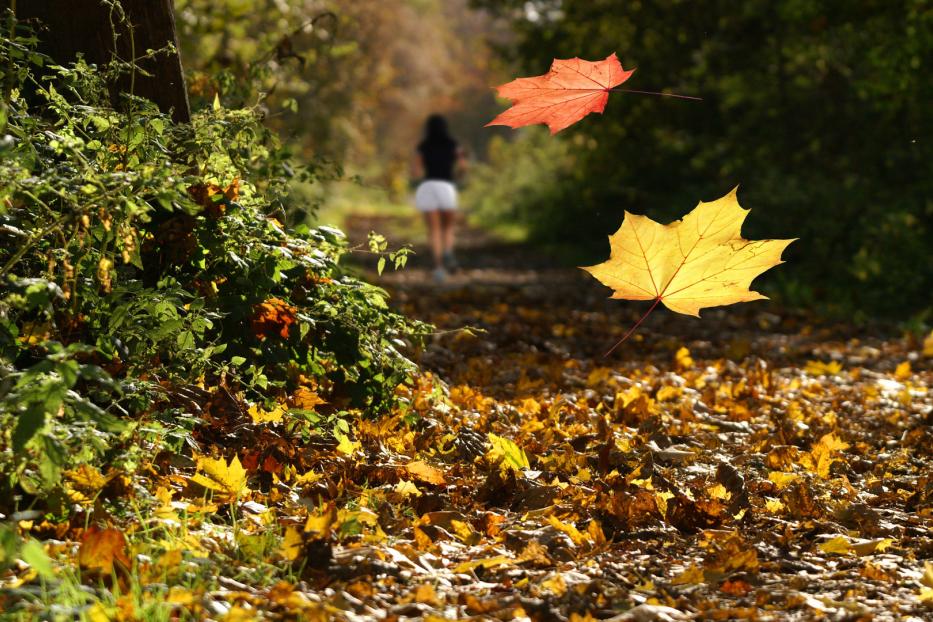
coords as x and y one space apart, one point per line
435 130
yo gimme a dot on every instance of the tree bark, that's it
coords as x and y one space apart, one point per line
69 27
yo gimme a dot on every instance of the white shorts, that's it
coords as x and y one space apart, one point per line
435 194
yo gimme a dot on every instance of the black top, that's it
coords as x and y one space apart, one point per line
438 159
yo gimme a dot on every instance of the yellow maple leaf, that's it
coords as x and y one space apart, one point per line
819 368
291 544
697 262
216 474
259 415
508 453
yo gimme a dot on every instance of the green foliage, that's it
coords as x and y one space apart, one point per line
819 110
140 260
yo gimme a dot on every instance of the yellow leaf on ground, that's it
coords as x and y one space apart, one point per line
928 345
259 415
491 562
782 480
101 549
690 576
306 399
823 453
407 489
424 472
508 453
319 525
927 578
291 544
554 584
819 368
216 474
837 546
345 445
575 535
682 358
697 262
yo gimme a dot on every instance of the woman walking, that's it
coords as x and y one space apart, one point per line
438 159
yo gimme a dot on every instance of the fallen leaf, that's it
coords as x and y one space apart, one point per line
260 415
424 472
345 445
819 368
102 548
508 453
572 89
291 544
216 474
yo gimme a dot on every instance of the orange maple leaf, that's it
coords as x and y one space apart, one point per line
101 549
572 89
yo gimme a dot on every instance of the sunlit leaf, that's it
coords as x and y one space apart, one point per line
227 479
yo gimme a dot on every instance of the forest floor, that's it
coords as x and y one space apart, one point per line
753 464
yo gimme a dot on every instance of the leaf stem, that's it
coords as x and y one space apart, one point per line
657 93
632 329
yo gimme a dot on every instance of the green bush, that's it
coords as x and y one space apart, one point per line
143 265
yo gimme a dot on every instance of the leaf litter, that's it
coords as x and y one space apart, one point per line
757 466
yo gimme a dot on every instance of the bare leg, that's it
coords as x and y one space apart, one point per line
448 220
432 221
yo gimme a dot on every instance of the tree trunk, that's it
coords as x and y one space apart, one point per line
69 27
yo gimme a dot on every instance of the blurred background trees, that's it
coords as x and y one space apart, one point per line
818 108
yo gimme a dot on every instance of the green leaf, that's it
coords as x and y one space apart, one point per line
34 555
185 340
381 265
51 461
27 426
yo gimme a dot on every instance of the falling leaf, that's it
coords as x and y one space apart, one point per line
511 455
903 371
216 474
424 472
697 262
102 548
572 89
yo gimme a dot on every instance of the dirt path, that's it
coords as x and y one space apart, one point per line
755 464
